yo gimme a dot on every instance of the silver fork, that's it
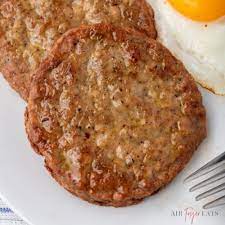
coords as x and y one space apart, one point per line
216 164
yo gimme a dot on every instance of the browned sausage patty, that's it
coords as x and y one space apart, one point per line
115 115
28 29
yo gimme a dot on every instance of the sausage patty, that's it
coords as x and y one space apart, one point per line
114 114
28 29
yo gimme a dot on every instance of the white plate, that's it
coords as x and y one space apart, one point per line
30 190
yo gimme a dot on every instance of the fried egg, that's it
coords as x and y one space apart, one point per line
194 31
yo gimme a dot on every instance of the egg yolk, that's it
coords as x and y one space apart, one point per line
200 10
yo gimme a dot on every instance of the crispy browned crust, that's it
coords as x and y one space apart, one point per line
176 121
26 117
22 24
173 170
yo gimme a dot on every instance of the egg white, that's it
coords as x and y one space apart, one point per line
200 46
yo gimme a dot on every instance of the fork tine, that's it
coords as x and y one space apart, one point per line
208 181
209 167
215 203
211 192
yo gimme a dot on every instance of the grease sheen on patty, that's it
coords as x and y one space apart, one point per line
114 114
